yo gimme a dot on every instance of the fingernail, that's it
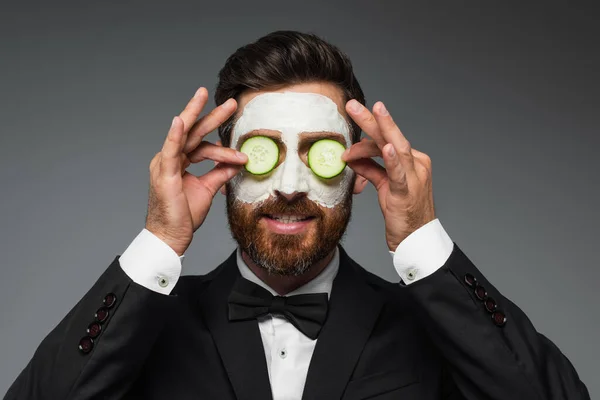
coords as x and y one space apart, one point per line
383 110
240 155
355 106
173 122
226 104
345 153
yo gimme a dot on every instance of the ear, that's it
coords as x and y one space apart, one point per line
359 184
222 188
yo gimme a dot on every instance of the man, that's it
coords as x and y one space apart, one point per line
289 315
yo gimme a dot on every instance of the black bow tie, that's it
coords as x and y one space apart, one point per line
307 312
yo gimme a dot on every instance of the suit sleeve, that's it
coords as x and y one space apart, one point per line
492 349
99 347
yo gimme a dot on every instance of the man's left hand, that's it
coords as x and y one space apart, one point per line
404 186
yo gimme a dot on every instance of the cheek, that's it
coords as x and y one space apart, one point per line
250 189
331 192
244 210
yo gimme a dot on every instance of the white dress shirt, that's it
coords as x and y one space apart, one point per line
287 350
150 262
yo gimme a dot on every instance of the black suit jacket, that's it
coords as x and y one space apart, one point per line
433 339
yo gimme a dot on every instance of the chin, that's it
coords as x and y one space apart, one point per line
286 238
285 254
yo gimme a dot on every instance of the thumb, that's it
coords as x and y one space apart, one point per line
216 178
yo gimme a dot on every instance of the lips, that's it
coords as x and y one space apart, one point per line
288 218
288 223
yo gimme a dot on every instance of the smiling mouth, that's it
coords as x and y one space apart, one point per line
289 218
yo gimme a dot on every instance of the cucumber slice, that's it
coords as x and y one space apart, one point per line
263 154
324 158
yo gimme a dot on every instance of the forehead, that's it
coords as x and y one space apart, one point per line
291 113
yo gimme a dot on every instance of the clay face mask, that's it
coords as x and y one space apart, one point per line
291 113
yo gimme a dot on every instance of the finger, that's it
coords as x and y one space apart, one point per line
193 108
218 176
363 149
363 118
222 188
423 157
369 169
422 166
359 184
392 134
395 170
231 156
185 162
170 161
207 150
209 123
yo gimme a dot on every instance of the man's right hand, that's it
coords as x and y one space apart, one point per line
178 201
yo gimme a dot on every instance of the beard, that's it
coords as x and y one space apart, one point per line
287 254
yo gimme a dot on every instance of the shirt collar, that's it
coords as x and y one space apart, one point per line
322 283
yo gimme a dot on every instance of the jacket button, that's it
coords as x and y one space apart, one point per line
470 280
86 344
94 330
109 300
101 315
480 292
490 304
499 318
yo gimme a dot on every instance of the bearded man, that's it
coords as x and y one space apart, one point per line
289 315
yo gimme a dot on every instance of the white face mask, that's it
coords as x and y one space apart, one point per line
291 113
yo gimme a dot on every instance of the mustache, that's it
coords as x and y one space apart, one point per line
279 205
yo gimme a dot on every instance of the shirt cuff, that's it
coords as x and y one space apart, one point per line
151 263
422 252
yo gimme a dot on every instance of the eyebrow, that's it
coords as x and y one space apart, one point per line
303 135
324 135
260 132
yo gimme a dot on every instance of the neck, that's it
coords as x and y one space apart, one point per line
284 284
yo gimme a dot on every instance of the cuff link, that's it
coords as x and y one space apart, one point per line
411 274
163 281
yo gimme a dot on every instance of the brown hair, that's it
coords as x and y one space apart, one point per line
284 58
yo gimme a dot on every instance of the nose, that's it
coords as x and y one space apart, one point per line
290 196
292 182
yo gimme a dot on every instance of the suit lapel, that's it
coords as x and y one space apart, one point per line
353 309
239 342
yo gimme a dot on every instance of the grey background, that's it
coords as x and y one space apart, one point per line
502 95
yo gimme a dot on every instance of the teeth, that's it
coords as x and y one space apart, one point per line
286 219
